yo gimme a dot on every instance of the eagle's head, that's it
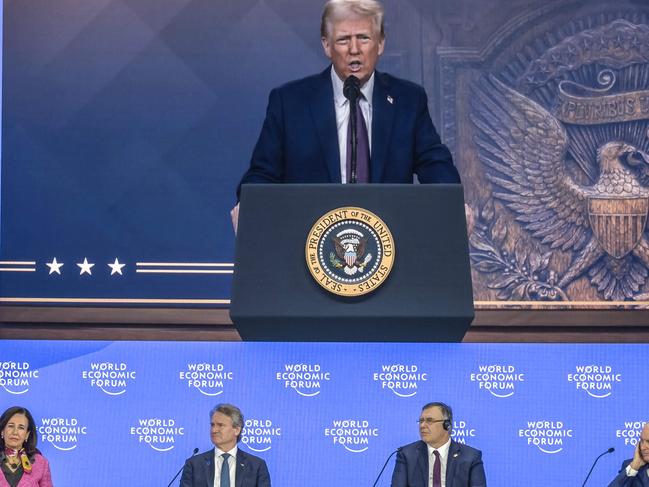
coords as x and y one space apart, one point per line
612 156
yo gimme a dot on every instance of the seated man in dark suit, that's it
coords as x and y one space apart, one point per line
635 471
306 138
437 460
225 465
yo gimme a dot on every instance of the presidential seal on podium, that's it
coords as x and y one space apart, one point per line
350 251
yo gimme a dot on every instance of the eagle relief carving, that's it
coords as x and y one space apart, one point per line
565 146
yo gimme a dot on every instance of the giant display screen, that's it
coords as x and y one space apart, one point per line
126 126
129 413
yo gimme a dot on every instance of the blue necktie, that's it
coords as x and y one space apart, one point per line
225 471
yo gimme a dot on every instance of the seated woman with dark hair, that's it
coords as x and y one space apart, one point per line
21 463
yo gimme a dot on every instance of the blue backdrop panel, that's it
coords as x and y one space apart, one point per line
326 414
126 127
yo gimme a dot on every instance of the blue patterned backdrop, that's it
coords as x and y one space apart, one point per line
126 127
126 413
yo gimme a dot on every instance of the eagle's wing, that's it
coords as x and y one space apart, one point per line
340 249
526 145
360 250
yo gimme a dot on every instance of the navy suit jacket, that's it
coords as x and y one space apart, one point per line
299 140
199 471
463 468
640 480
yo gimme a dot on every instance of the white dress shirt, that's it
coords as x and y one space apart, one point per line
218 465
632 472
342 116
443 457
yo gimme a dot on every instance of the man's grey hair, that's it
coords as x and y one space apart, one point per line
336 10
232 412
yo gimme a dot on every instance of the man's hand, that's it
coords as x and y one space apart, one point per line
234 214
638 462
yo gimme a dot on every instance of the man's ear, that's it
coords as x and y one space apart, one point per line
326 47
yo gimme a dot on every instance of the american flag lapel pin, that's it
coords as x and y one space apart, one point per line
390 100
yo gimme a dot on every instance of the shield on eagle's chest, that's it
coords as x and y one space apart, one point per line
618 223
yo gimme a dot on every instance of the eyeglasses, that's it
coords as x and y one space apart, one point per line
429 421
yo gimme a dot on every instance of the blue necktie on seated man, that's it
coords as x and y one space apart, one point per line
225 471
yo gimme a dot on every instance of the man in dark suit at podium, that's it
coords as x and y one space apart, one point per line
306 135
437 460
635 472
225 465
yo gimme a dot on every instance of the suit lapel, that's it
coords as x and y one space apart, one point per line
324 118
451 463
209 468
643 475
422 464
241 469
382 122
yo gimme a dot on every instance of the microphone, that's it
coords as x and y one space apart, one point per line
352 91
385 465
610 450
352 88
181 468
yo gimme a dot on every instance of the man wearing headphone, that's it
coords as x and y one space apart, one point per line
437 460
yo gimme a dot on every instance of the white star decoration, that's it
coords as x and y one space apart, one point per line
55 266
116 267
85 267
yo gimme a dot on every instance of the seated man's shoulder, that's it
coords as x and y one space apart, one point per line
415 445
202 456
250 457
466 449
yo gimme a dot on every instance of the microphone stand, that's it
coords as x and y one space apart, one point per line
181 468
610 450
385 465
352 91
354 144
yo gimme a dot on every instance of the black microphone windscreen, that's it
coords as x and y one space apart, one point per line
352 88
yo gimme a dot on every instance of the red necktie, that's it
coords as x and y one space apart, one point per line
437 470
